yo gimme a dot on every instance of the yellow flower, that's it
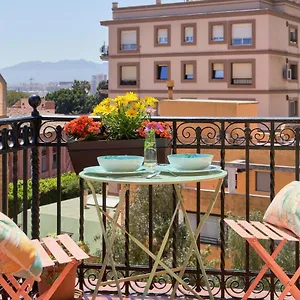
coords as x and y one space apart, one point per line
139 106
130 96
131 113
150 101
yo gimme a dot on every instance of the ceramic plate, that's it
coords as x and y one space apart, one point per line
100 171
167 168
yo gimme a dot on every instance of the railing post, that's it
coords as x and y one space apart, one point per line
34 101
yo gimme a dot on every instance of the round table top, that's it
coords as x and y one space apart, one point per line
140 178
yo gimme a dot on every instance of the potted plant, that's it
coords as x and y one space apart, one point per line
123 126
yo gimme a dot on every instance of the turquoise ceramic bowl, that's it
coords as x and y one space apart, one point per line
120 163
190 161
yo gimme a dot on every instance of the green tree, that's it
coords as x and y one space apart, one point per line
14 96
103 85
74 101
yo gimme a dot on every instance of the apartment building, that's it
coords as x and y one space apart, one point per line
226 50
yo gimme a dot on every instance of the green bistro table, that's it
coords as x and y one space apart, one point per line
168 178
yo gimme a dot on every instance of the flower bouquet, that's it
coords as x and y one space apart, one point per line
122 129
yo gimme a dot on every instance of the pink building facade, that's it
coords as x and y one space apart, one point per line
233 50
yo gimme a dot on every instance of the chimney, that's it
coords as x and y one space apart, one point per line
114 5
158 1
170 86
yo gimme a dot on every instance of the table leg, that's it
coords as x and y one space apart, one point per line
170 271
194 237
109 242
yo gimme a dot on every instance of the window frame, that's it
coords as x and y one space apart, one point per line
296 64
119 33
210 35
229 68
233 22
296 101
291 26
185 25
256 182
128 64
210 66
194 64
156 64
156 28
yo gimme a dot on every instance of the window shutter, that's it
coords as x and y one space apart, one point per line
128 73
162 33
218 67
128 37
241 70
240 31
189 70
218 31
189 31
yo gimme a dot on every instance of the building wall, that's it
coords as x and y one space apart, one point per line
271 50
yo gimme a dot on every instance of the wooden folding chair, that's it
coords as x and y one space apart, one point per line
254 231
63 250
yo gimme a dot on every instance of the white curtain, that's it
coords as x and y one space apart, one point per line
162 33
128 37
240 31
218 31
189 31
189 70
218 67
241 70
128 73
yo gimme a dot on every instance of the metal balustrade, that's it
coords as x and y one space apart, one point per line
24 137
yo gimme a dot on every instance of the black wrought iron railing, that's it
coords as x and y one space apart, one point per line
21 141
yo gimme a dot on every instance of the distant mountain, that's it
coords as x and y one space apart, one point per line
43 72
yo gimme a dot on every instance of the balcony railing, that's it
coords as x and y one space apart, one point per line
241 41
241 81
128 47
23 138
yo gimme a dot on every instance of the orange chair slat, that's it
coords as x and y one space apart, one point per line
72 247
271 234
285 235
248 226
46 260
238 229
56 250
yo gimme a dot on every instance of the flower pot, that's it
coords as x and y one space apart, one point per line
84 153
66 290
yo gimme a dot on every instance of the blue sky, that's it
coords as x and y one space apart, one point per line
54 30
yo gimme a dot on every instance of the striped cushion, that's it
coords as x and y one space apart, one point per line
18 256
284 210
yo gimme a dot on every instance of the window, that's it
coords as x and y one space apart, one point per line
242 34
128 39
161 71
217 70
54 158
293 35
188 34
293 107
162 35
294 70
128 74
217 32
242 73
188 71
44 160
210 231
262 182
